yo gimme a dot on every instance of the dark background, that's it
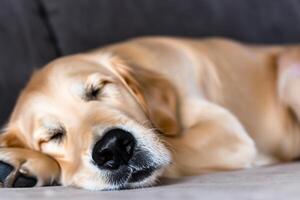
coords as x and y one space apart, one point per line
33 32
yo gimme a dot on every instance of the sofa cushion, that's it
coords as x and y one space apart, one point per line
25 45
266 183
84 24
33 32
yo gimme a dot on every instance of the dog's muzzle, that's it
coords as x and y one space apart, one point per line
119 156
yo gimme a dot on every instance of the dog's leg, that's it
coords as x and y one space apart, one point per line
214 140
289 80
288 87
26 168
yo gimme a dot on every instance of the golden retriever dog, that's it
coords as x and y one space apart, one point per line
124 115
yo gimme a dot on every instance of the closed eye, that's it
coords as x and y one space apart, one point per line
93 92
57 135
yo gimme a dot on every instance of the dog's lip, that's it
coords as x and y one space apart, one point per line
140 175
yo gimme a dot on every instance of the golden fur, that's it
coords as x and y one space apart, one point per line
205 105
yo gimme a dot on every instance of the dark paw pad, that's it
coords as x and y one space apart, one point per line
24 181
5 170
9 177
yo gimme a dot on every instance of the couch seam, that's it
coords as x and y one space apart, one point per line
50 29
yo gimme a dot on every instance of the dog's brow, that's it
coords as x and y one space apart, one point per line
56 128
51 123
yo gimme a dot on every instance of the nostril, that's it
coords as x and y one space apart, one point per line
114 149
105 158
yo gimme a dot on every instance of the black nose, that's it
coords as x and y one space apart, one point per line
114 149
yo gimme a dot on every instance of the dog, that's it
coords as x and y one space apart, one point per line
126 114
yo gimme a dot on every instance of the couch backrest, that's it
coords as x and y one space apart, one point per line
33 32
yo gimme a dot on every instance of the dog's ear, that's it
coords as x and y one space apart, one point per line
10 137
154 93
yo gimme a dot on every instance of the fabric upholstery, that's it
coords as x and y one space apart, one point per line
267 183
33 32
85 24
25 44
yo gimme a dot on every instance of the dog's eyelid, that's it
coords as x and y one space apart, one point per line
57 134
93 90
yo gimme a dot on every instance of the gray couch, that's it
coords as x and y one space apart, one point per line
33 32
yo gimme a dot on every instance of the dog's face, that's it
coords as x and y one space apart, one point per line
93 121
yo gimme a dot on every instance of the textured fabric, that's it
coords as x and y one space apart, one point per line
269 183
84 24
33 32
25 44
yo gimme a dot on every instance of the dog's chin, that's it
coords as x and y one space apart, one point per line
139 179
146 181
124 180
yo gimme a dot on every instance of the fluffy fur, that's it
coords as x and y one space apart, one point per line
195 106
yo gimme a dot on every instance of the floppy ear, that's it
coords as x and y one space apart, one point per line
10 138
154 93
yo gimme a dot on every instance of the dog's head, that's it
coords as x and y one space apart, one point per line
90 114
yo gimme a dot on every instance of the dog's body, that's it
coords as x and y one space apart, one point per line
220 105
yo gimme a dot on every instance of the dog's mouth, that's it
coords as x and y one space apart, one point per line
140 175
132 177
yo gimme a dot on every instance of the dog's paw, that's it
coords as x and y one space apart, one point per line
26 168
